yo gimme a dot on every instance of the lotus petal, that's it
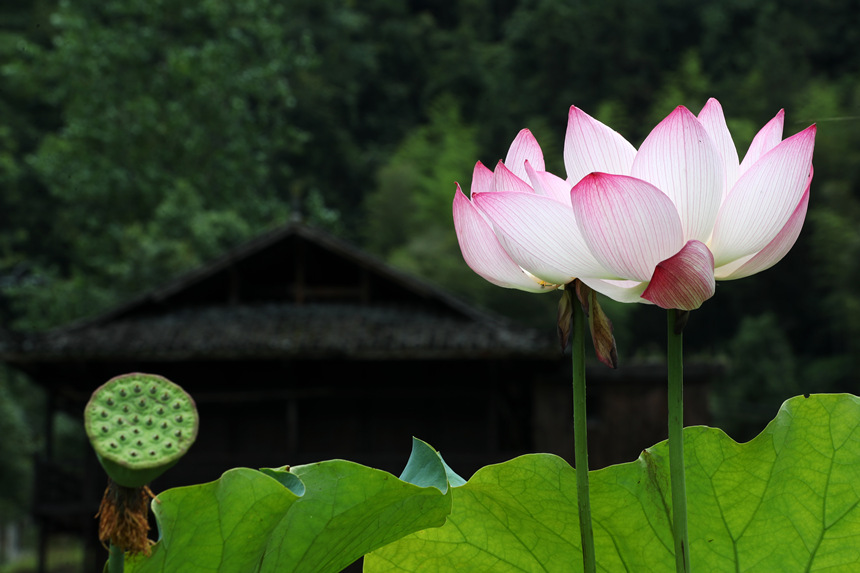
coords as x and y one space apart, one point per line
774 251
628 224
540 235
524 148
685 280
549 185
766 139
506 180
712 118
482 179
483 252
621 291
592 146
764 199
680 158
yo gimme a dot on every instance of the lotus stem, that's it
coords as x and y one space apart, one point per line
580 433
676 321
116 559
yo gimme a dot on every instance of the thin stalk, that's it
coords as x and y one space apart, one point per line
580 434
676 442
116 559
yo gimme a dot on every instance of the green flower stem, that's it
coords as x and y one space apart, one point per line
676 442
116 559
580 434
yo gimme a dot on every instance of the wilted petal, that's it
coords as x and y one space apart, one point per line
564 321
712 118
524 148
549 185
506 180
685 280
592 146
482 179
681 159
540 235
764 199
628 224
598 323
766 139
483 252
774 251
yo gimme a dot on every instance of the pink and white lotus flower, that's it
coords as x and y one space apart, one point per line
658 225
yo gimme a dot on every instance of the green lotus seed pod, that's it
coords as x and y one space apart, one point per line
140 425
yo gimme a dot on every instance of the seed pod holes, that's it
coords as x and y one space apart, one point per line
133 411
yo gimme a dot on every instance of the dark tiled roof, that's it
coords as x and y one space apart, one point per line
271 331
295 292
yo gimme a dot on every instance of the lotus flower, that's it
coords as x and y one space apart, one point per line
658 225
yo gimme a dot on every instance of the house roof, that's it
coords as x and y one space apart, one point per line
295 292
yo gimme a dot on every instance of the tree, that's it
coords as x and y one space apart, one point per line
177 140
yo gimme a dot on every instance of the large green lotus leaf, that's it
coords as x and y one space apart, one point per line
786 501
314 518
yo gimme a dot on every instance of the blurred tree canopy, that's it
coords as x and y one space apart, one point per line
139 138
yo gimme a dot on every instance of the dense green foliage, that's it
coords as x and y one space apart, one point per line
316 518
786 501
140 138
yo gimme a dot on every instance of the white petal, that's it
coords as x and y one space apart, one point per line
681 159
482 179
506 180
549 185
628 224
483 252
766 139
714 121
764 198
592 146
621 291
540 235
774 251
524 148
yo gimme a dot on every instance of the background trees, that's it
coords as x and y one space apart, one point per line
141 137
